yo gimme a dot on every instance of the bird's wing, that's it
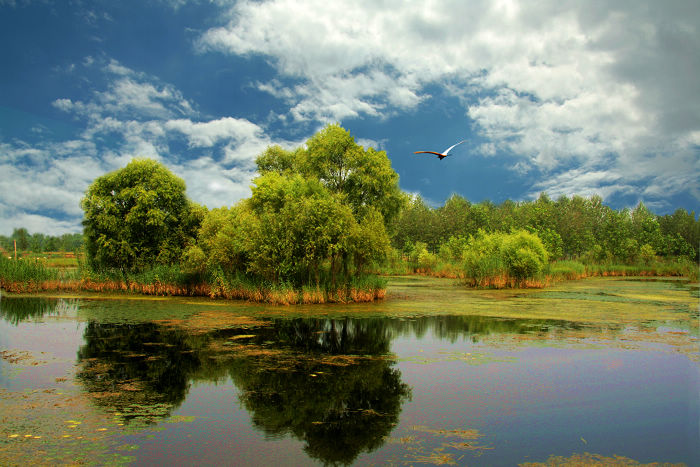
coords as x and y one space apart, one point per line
429 152
450 148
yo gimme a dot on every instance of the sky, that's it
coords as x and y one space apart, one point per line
563 97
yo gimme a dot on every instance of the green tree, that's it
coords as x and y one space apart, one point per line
138 216
299 224
645 227
364 176
453 218
682 230
21 236
36 242
417 222
370 242
277 159
51 243
221 241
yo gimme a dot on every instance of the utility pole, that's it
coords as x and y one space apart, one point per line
15 250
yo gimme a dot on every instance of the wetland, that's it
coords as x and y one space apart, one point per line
602 370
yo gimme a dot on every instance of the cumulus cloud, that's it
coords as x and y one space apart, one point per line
135 116
593 85
51 177
207 134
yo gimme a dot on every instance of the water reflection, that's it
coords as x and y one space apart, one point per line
329 383
18 309
332 381
338 409
140 371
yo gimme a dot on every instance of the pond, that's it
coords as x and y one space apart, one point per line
600 370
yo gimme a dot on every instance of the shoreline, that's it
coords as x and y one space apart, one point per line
303 296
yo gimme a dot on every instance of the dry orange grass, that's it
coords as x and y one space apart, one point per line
283 297
312 296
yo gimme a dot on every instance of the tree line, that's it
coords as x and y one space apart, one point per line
41 243
569 228
317 217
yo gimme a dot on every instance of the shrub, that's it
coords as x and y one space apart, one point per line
498 258
426 260
524 254
647 254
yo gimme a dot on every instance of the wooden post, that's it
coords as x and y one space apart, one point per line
15 250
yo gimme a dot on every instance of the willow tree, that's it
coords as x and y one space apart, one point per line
137 217
300 224
363 177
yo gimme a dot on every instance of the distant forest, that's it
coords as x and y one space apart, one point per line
41 243
573 227
570 228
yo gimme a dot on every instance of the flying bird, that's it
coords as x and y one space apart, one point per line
441 155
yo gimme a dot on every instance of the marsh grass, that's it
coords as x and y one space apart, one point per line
489 272
27 276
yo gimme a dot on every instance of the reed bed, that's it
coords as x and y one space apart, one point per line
18 276
494 276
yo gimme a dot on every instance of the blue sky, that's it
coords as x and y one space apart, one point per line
566 97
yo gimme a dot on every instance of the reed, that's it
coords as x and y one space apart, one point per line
20 276
312 295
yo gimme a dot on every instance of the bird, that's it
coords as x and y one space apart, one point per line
441 155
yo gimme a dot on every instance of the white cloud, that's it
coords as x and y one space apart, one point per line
212 184
134 117
559 83
36 223
207 134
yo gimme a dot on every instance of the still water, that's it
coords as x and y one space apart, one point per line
599 370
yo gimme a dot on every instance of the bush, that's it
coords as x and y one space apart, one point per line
519 255
426 260
647 255
524 254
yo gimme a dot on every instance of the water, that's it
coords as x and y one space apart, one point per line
435 374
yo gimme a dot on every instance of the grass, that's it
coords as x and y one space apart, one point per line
492 274
33 275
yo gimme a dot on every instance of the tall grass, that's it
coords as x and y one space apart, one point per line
22 276
25 270
569 270
489 271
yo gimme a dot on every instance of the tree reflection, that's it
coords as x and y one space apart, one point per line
18 309
338 406
140 370
330 383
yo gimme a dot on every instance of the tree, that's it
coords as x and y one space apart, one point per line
682 233
277 159
645 227
138 216
365 177
221 241
299 224
453 217
21 236
416 222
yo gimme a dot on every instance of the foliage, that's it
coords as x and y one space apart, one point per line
362 177
137 216
316 213
519 255
569 228
39 242
524 254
